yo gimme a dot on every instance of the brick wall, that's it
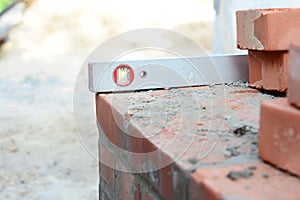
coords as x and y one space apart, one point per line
231 170
267 35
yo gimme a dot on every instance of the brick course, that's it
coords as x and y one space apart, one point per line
190 177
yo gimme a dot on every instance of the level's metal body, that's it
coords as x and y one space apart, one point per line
171 72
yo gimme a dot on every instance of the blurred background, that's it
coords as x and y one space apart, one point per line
44 44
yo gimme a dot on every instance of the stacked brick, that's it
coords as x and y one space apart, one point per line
279 140
274 64
217 176
267 35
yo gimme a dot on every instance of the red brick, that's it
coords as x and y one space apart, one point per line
134 186
268 29
198 189
268 69
172 182
146 156
135 140
129 188
294 75
109 122
279 139
266 182
107 162
166 182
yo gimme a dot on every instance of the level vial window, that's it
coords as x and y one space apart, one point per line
123 75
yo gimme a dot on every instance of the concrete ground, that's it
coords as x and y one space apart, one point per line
41 155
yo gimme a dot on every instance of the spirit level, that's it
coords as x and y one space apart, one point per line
167 73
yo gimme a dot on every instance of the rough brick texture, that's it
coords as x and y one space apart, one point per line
107 165
279 139
219 159
294 75
258 181
117 184
268 29
268 69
